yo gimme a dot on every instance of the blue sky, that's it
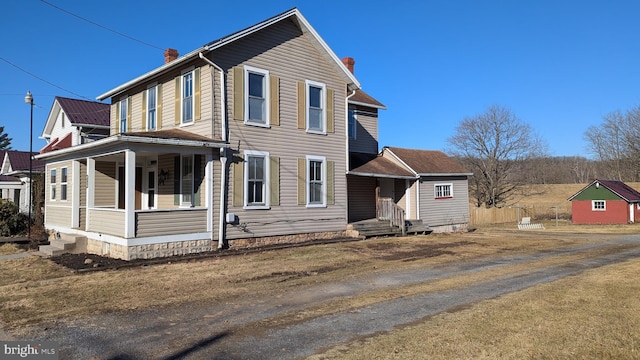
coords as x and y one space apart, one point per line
558 65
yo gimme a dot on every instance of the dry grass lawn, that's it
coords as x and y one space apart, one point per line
8 249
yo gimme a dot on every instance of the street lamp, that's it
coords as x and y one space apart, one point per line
29 100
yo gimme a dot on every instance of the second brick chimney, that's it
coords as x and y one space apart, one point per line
170 55
349 62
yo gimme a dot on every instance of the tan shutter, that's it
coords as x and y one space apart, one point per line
129 120
197 96
238 182
302 105
238 93
117 117
330 116
302 181
274 106
159 107
144 110
274 180
177 114
331 178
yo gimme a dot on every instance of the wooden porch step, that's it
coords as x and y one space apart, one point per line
417 227
373 227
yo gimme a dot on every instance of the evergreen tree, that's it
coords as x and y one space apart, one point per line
5 140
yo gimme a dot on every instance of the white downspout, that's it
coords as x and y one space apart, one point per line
223 153
347 127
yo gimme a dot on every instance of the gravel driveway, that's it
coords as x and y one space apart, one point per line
239 330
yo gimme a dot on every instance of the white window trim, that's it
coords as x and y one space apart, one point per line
124 103
185 204
267 185
267 98
323 103
352 113
64 168
153 87
435 191
593 205
322 159
152 166
191 71
52 185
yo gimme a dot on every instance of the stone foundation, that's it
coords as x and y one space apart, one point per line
150 251
450 228
284 239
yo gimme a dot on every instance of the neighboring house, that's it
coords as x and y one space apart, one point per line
15 184
428 185
244 141
605 202
73 122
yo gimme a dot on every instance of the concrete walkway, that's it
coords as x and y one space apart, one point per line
16 256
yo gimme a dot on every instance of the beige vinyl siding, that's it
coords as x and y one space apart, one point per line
413 200
113 115
290 56
165 191
105 184
160 223
401 193
362 198
107 221
444 211
58 216
366 140
135 119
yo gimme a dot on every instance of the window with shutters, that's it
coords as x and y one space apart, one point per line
123 113
316 117
187 100
256 97
316 181
256 179
152 103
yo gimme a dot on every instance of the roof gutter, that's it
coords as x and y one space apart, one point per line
368 105
386 176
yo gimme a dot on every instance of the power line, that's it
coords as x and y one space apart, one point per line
41 79
101 26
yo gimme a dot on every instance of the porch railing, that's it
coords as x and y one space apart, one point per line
388 210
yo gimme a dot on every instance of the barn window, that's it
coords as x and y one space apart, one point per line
598 205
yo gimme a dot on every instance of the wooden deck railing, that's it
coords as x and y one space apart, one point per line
388 210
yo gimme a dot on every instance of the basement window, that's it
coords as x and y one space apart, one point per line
598 205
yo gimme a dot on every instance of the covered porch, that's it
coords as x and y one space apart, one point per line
136 195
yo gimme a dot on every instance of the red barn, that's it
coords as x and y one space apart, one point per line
605 202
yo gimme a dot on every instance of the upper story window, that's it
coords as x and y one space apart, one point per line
316 116
63 122
443 191
352 125
187 98
124 106
256 96
152 104
598 205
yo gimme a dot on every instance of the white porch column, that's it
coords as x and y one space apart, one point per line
91 186
130 193
407 195
75 194
631 213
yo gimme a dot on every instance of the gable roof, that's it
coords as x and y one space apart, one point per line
79 113
19 161
428 162
293 14
362 98
619 188
382 167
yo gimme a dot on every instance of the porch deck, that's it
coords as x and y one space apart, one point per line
375 227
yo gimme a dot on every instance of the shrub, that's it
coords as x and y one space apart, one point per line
12 222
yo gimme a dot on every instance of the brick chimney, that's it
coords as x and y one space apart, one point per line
349 62
170 55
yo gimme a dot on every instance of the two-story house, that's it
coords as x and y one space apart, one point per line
245 141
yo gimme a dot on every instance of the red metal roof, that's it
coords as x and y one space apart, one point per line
428 161
618 187
85 112
19 161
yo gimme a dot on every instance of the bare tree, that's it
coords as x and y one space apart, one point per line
490 145
616 144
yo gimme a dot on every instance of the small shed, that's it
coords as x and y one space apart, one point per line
605 202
